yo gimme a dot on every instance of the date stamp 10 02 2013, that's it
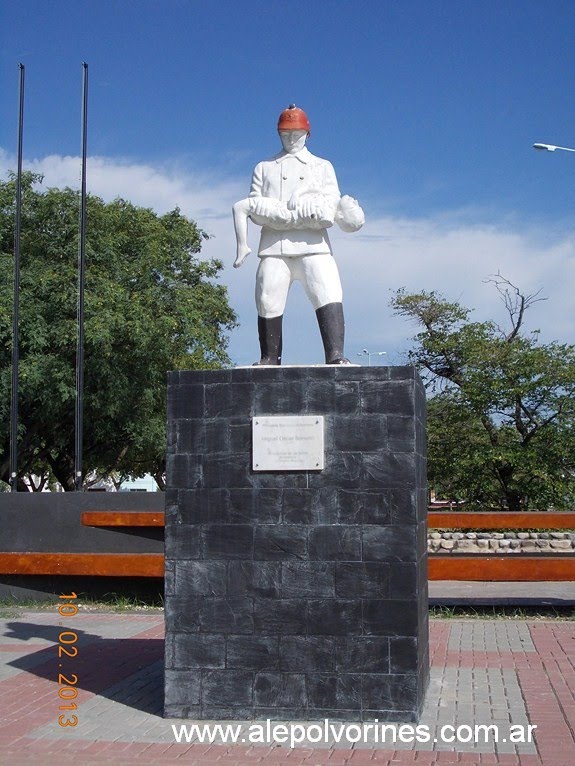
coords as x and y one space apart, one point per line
67 691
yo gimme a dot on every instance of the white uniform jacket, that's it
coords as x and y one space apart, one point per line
283 176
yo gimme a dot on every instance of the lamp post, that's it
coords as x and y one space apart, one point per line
551 148
369 354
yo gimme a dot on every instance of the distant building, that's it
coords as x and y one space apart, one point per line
145 484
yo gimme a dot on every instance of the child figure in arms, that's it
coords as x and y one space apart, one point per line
295 198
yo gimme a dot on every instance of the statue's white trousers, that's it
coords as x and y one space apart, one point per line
317 273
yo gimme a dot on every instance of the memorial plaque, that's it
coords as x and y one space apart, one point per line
288 443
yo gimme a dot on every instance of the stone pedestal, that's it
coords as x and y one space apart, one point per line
298 594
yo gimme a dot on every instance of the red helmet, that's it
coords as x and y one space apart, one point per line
293 118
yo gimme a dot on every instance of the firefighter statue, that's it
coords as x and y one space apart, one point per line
295 198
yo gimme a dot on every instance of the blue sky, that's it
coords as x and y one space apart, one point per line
427 110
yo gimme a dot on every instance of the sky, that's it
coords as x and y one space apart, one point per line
427 109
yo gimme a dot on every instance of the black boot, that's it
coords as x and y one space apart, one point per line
270 335
332 328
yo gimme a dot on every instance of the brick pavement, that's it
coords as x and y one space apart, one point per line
505 673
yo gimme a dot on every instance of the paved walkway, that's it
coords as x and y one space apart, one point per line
505 674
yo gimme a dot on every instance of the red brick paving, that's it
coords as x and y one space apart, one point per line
28 702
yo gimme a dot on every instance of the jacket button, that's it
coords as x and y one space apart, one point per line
284 178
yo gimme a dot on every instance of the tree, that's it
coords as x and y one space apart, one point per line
501 415
151 305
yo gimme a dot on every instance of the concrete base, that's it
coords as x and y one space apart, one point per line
296 594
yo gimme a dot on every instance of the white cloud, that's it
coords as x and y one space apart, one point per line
446 253
456 259
156 187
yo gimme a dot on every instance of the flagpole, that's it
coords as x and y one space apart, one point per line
79 430
16 306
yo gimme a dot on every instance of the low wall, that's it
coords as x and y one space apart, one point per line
50 522
46 524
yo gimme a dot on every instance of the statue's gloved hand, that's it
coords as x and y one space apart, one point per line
308 208
313 211
292 201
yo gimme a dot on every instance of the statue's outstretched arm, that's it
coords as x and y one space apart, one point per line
263 211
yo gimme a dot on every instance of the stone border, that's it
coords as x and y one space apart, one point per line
501 542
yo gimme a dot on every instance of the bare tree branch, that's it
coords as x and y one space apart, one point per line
515 302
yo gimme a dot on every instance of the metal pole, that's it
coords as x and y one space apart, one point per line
16 308
79 430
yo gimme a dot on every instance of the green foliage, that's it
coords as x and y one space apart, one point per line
501 416
151 305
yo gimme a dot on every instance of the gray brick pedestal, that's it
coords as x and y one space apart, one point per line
299 594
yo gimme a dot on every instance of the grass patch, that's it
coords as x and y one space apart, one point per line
109 602
115 602
493 612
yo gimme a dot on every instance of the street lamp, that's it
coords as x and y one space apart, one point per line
551 148
369 354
